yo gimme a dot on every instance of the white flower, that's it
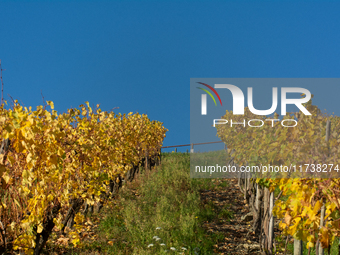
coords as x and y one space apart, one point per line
155 237
150 245
158 228
162 244
172 248
184 249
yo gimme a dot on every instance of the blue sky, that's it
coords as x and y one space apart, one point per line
140 55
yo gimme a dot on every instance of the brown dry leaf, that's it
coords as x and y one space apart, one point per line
63 240
288 218
89 222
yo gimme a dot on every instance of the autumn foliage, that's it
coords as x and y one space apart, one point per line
56 158
305 190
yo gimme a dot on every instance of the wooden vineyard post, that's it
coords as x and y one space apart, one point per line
264 238
271 223
257 201
298 247
146 163
257 218
322 223
245 186
320 250
267 238
160 156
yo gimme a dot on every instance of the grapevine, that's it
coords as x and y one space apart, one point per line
303 144
55 159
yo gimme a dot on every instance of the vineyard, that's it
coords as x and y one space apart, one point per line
52 165
57 167
309 211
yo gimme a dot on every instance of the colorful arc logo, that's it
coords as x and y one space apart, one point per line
204 97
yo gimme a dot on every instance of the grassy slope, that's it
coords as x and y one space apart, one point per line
165 198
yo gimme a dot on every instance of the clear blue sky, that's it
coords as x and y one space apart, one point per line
140 55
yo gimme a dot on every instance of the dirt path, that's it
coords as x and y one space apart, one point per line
238 237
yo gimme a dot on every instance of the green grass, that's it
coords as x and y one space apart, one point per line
167 205
226 214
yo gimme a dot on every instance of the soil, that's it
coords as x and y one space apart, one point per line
239 239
